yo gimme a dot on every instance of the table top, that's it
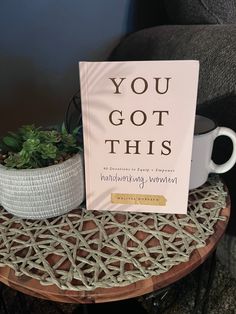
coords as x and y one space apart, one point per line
87 257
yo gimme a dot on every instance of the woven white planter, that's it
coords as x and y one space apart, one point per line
43 192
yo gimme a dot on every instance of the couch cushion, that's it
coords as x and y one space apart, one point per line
213 45
201 11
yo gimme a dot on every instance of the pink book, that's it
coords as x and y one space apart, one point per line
138 124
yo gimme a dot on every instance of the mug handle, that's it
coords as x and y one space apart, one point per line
232 160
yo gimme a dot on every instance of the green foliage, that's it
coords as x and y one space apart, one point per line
32 147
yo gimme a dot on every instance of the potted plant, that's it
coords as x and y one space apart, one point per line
41 172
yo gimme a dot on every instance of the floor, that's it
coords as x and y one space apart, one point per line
178 300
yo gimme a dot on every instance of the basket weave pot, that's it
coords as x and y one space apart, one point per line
43 192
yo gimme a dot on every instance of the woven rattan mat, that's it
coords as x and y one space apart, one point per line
84 250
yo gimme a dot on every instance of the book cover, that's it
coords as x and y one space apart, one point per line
138 124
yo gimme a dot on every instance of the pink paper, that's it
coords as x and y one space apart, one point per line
138 124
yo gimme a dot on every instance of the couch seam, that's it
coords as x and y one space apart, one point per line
210 12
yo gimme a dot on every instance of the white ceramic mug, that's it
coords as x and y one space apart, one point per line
205 133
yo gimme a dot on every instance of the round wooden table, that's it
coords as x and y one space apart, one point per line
92 257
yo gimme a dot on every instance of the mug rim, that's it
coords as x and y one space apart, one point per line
212 127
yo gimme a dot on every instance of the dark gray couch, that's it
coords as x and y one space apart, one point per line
210 37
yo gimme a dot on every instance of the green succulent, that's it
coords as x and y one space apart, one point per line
33 147
48 150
